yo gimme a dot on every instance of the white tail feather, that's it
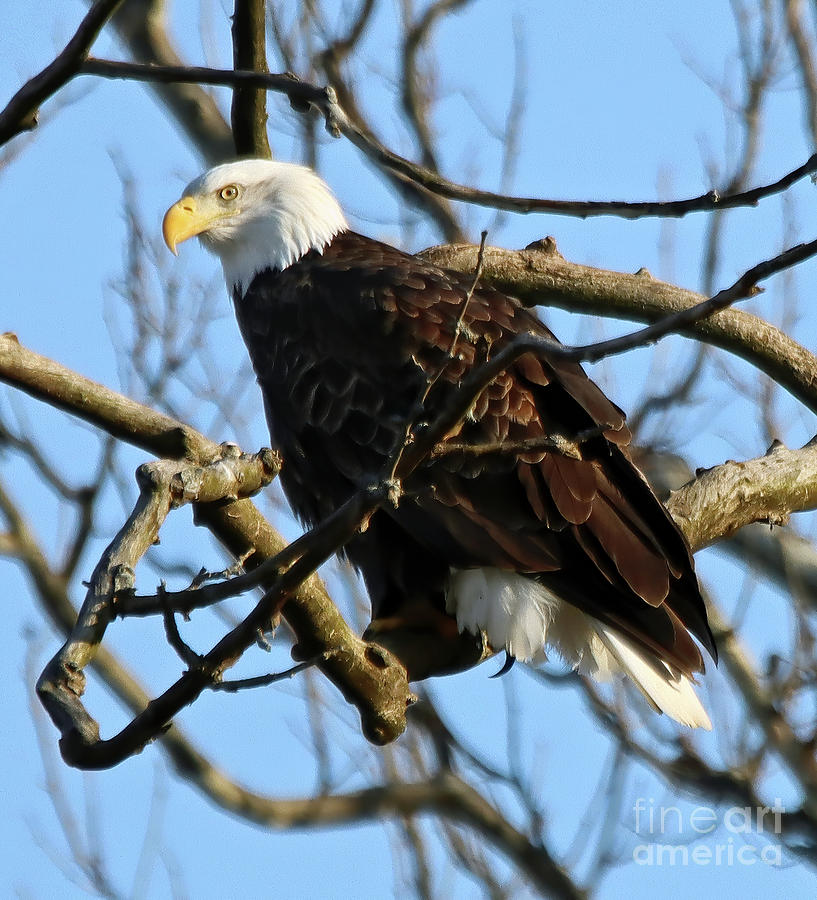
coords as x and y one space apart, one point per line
669 691
522 616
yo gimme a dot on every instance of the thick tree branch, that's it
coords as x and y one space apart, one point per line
780 554
446 794
773 695
735 494
479 378
539 275
317 624
61 685
119 416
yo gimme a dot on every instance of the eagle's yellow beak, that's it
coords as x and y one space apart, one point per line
184 220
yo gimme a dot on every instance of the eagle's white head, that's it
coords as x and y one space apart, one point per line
255 214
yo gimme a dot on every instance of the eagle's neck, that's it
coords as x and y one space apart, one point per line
303 215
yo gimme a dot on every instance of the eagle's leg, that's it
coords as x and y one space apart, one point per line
427 641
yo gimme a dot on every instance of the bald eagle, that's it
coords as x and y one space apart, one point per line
562 547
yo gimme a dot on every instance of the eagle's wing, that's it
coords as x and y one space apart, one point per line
575 512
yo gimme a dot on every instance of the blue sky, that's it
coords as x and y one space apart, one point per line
617 107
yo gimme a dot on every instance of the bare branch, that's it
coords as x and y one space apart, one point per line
62 683
540 275
115 414
510 134
483 809
43 466
743 288
243 684
415 105
338 529
21 111
299 92
58 686
804 50
343 116
342 47
249 109
362 676
452 797
334 105
734 495
769 712
687 770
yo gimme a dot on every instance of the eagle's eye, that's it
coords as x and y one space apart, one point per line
230 192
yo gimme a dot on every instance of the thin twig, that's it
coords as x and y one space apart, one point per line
243 684
20 113
415 105
338 123
185 653
452 350
804 50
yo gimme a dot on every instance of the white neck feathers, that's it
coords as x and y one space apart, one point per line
282 212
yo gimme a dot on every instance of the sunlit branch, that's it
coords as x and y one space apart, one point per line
379 691
539 275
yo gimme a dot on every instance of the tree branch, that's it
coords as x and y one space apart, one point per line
341 122
245 533
249 108
61 684
447 795
343 116
539 275
804 50
21 111
413 102
724 499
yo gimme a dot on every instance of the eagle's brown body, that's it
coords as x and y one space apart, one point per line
344 344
